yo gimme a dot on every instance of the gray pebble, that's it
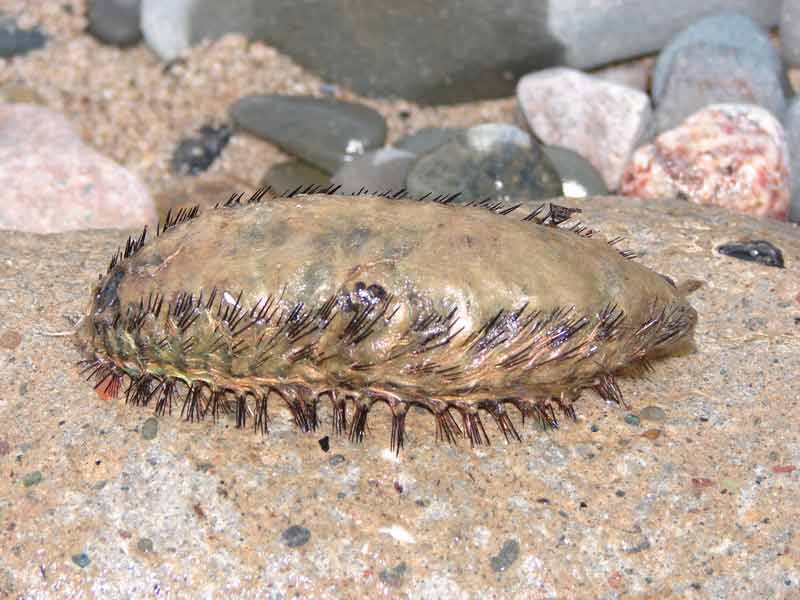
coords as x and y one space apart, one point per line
296 536
150 428
506 557
652 413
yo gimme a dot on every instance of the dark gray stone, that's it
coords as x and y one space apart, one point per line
385 48
296 536
115 22
579 178
32 478
378 171
792 129
508 554
15 41
425 140
195 154
393 576
491 160
703 74
729 29
790 32
82 559
291 174
321 131
150 428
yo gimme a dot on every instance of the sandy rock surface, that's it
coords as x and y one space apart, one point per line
690 493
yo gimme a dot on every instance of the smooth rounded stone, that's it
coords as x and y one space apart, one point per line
490 160
384 48
324 132
703 74
727 28
634 74
425 140
790 32
54 182
291 174
115 22
728 155
150 428
378 171
652 413
792 129
195 154
601 121
632 419
145 545
579 179
15 41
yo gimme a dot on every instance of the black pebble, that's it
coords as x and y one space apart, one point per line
195 154
760 251
325 443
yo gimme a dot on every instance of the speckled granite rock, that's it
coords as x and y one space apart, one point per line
732 155
53 182
693 500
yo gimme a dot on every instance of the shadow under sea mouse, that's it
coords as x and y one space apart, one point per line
358 300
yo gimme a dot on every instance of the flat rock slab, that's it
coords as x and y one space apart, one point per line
692 490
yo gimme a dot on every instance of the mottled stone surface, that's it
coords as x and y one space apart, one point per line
699 504
382 48
324 132
492 160
732 155
52 181
601 121
704 74
115 22
790 32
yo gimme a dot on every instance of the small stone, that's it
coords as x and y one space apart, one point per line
377 171
704 74
579 178
652 413
32 478
336 459
492 160
145 545
506 557
287 176
725 29
394 575
82 559
10 339
15 93
194 155
760 251
15 41
53 182
324 132
599 120
115 22
729 155
652 434
632 419
296 536
150 428
425 140
325 443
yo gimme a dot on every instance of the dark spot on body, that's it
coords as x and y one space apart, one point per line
278 234
669 280
356 238
468 241
107 296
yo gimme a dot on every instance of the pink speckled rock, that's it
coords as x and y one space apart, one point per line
53 182
598 119
730 155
